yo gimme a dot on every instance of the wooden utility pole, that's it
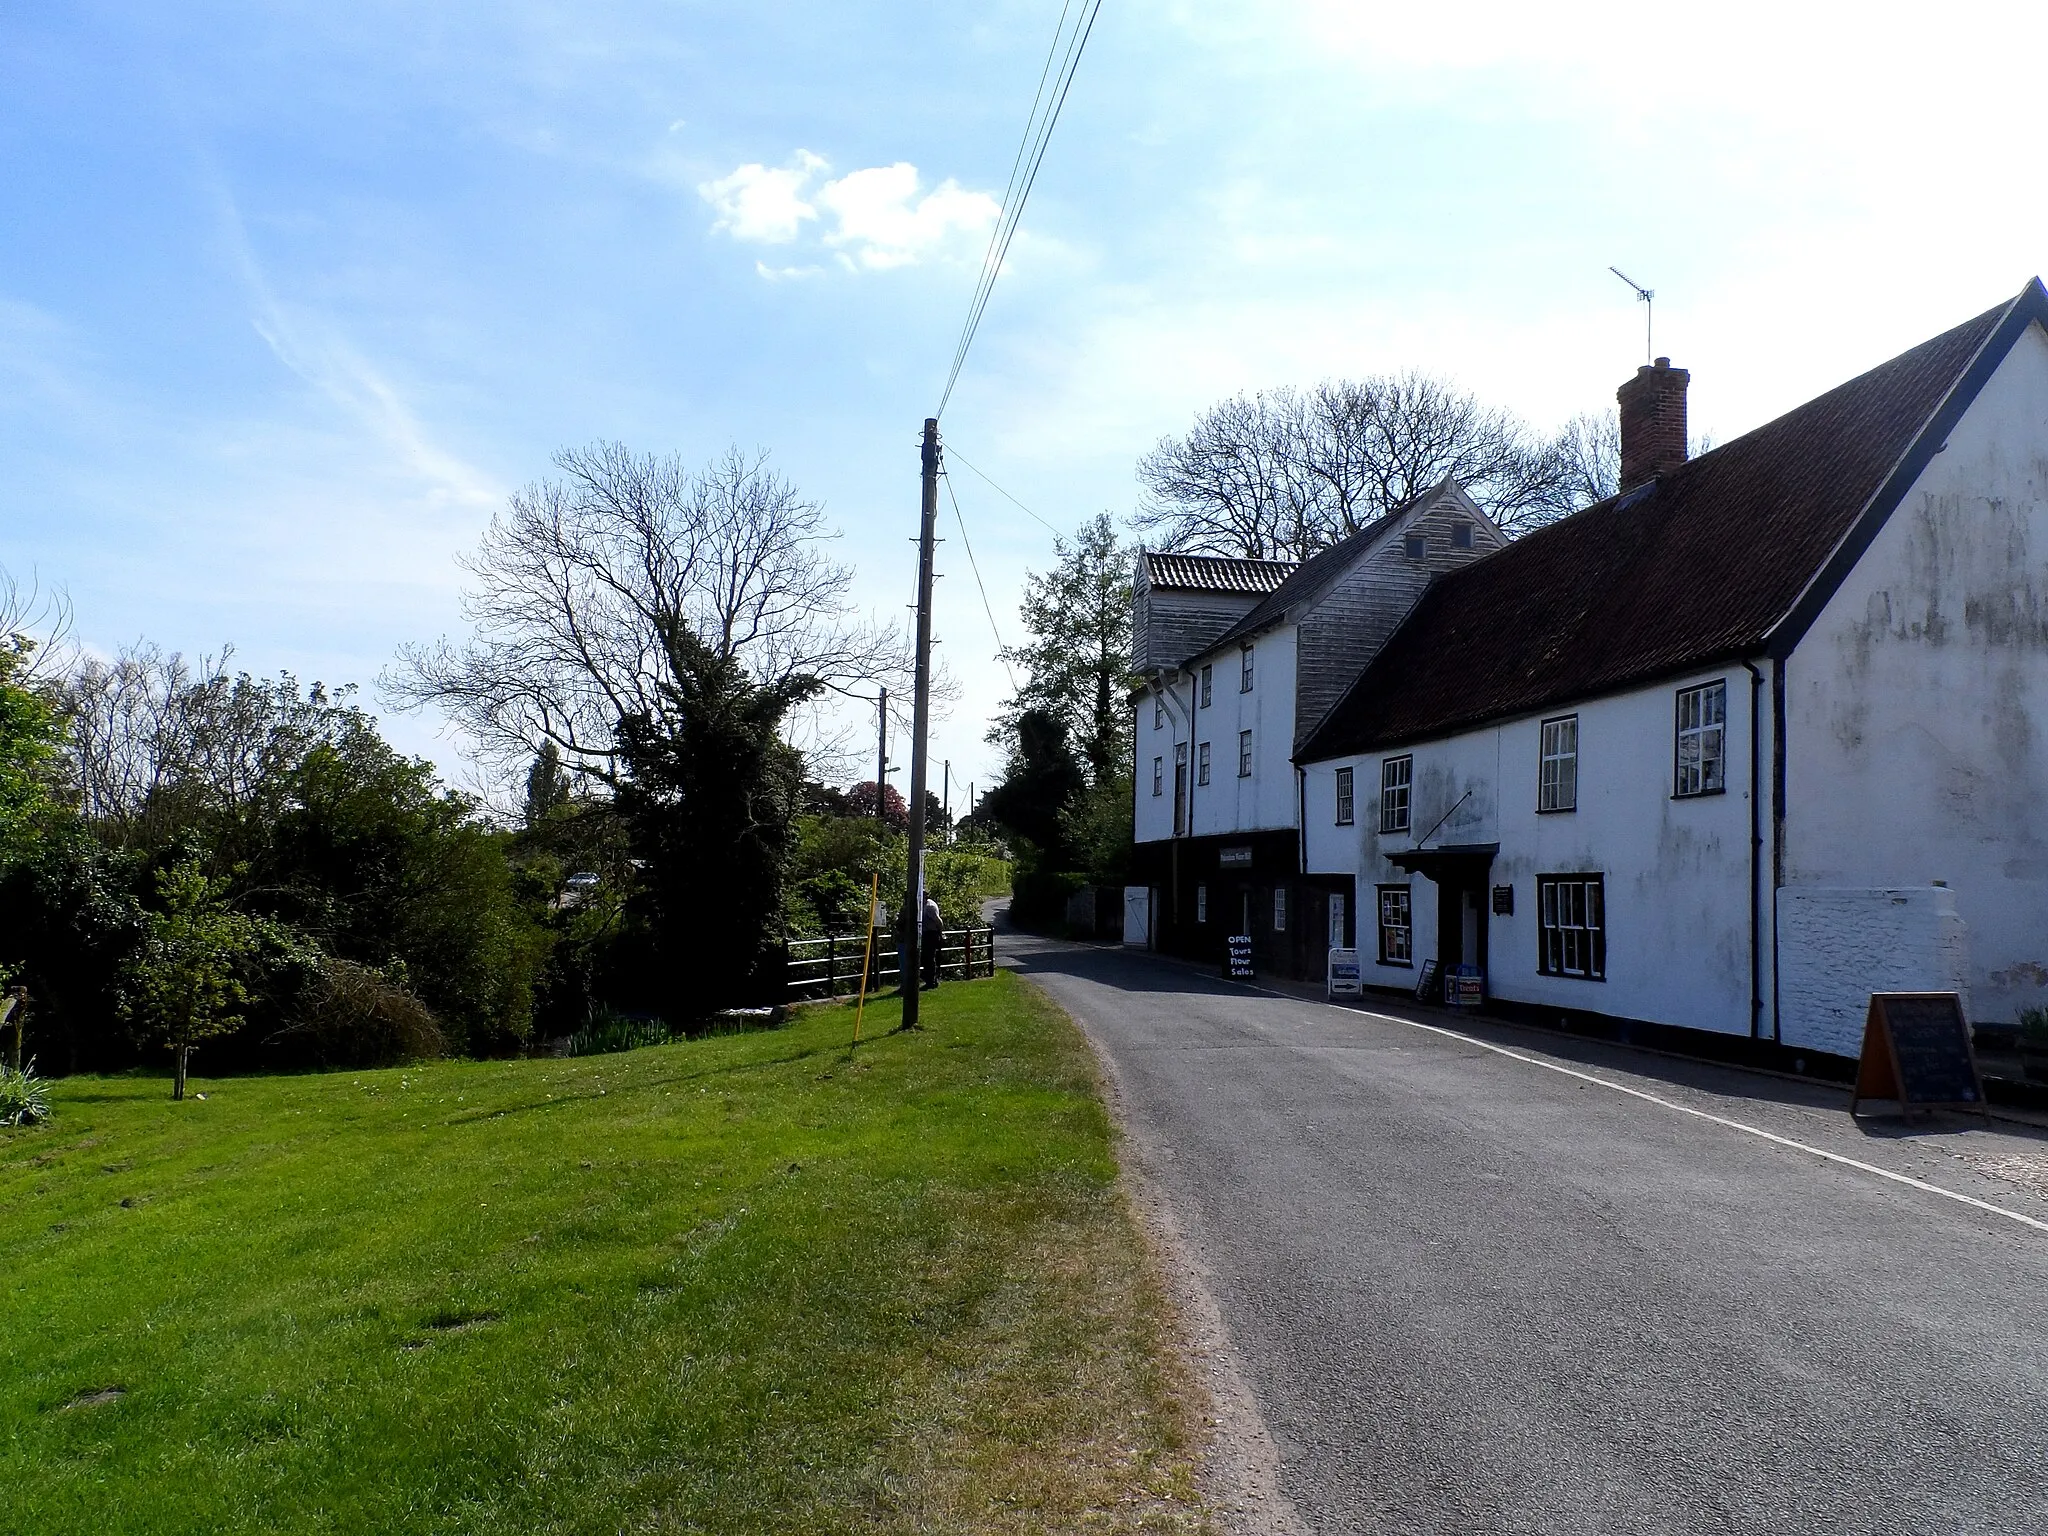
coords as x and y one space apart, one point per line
881 751
920 718
946 798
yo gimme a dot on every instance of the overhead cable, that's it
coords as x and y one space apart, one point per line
1038 127
1002 651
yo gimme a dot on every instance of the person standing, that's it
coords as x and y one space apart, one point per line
934 936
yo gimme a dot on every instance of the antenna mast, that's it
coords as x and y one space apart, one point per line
1648 296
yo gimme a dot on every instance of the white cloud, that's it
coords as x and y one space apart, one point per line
764 205
873 219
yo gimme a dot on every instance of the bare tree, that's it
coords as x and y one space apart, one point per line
1281 474
587 585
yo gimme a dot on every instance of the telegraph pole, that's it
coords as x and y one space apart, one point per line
946 798
920 718
881 750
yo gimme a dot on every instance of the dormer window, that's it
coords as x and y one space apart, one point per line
1244 676
1461 535
1417 547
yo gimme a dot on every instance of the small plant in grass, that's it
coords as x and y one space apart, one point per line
608 1031
186 984
24 1097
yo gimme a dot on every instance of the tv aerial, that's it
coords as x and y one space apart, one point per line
1648 296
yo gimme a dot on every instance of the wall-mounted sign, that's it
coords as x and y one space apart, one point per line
1344 978
1237 957
1917 1054
1503 901
1234 858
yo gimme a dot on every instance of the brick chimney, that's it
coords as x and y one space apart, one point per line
1652 422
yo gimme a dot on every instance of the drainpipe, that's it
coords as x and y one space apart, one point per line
1756 843
1778 664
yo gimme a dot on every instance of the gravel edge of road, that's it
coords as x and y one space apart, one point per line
1240 1463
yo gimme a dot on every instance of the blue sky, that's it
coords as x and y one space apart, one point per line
291 295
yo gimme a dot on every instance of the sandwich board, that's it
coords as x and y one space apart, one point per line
1425 984
1237 957
1344 977
1917 1055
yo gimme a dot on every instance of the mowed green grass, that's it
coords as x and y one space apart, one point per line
751 1283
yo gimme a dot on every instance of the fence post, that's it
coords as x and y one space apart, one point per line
831 966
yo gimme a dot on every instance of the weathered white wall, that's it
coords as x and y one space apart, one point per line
1677 871
1914 706
1837 946
1152 818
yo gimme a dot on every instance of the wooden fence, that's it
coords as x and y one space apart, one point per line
831 967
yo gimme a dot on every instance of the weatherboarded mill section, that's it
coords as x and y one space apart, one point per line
1235 678
1753 739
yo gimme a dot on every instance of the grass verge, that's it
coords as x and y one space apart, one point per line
750 1283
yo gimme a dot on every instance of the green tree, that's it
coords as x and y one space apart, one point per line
188 980
1078 659
547 786
31 744
707 795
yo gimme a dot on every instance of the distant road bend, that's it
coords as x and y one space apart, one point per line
1476 1295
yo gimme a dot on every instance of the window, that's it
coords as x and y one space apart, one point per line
1158 710
1572 926
1557 781
1337 920
1397 926
1180 788
1201 903
1244 754
1279 909
1202 763
1703 739
1208 677
1158 776
1396 777
1416 547
1461 535
1343 797
1244 676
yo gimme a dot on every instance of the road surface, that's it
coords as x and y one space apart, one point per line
1473 1293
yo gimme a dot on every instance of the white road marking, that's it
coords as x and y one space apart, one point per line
1733 1125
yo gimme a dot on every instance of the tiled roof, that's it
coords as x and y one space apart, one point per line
1723 557
1314 575
1215 573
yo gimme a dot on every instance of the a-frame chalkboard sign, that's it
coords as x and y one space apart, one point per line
1917 1054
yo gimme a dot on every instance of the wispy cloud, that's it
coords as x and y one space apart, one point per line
315 349
871 219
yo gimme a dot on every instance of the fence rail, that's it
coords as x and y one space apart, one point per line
830 967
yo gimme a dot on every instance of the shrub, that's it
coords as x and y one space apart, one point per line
24 1097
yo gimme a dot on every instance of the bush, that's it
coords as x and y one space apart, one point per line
608 1032
352 1015
24 1097
1038 898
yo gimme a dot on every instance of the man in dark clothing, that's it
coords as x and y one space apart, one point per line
934 936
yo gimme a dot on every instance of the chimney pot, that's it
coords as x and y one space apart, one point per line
1652 422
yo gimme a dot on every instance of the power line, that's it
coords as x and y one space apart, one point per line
986 606
954 453
1045 115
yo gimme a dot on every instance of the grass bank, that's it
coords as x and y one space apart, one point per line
751 1283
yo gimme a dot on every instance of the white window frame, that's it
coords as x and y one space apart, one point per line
1201 903
1415 546
1244 675
1571 926
1337 906
1347 799
1279 909
1461 535
1397 792
1158 777
1396 925
1208 679
1557 770
1244 754
1158 711
1202 763
1700 748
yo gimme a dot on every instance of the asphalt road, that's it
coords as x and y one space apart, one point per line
1475 1295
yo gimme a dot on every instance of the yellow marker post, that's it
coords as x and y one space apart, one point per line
867 960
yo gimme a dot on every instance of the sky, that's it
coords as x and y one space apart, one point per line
292 296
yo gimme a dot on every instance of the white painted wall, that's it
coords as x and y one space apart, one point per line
1265 800
1161 724
1677 871
1838 946
1915 705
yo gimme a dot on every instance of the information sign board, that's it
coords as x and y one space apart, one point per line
1237 958
1917 1054
1344 976
1466 988
1425 984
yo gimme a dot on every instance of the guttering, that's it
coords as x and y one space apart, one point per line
1756 843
